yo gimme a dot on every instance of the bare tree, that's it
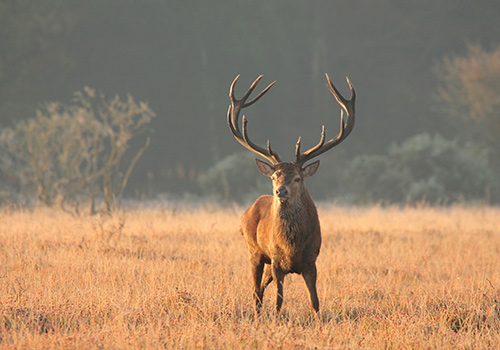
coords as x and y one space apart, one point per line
76 150
122 121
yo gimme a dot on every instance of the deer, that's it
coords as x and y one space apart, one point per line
282 231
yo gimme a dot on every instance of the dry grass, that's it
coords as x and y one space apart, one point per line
388 278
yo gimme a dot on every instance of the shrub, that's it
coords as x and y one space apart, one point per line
74 150
234 178
421 168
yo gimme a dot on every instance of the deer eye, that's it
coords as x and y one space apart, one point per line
297 179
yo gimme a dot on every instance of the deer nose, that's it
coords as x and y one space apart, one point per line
282 192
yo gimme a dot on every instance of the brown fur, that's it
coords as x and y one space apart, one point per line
283 235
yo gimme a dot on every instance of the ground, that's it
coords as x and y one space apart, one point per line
179 278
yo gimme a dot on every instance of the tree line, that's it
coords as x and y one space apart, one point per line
425 68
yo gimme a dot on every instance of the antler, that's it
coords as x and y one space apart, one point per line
232 120
345 126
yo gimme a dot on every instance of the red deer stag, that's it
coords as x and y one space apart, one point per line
282 232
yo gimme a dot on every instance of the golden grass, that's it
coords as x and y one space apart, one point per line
155 279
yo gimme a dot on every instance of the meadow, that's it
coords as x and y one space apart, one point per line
167 278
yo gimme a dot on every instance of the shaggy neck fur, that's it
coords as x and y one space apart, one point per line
292 216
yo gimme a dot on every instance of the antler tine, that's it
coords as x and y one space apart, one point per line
233 116
254 147
347 105
321 142
252 87
345 126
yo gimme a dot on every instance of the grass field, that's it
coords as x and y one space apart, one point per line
412 278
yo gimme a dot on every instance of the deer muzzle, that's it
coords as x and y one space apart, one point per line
282 193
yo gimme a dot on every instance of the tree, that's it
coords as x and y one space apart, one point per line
470 89
470 93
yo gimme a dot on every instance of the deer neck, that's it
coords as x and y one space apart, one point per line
292 214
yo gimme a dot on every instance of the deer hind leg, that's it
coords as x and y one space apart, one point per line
309 276
267 277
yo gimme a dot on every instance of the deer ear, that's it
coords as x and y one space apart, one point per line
264 168
311 169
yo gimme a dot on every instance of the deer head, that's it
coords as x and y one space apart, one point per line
288 177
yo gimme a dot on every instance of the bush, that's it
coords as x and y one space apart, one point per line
234 178
425 168
15 175
72 151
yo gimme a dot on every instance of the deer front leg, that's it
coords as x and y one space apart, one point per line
257 269
279 276
309 276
